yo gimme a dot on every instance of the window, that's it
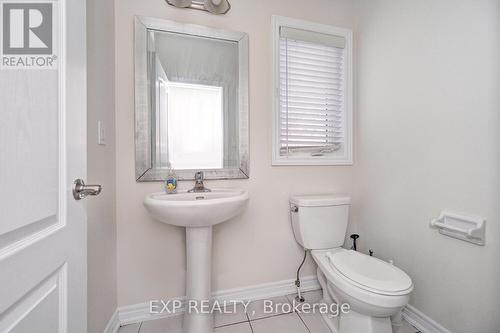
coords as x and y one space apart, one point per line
194 120
313 94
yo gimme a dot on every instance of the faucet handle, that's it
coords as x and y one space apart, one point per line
198 175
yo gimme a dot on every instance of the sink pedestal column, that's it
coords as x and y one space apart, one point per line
198 280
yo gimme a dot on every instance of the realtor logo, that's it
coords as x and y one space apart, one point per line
27 35
27 28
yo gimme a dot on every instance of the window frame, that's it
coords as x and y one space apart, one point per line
347 157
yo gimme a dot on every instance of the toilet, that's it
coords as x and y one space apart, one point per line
375 290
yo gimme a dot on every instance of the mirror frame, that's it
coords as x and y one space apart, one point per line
144 169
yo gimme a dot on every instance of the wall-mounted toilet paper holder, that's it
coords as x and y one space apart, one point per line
465 227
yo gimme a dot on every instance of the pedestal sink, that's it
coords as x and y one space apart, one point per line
197 212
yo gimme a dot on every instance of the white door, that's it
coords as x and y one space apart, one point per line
42 151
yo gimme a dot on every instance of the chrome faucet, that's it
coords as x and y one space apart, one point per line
198 185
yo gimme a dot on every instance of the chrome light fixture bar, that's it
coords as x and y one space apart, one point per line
212 6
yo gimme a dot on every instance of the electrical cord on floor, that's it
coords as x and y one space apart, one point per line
299 297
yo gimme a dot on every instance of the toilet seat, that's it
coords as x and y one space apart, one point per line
363 273
369 273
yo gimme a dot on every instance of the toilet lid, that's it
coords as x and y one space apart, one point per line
370 272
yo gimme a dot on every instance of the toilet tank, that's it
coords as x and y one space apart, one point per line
319 221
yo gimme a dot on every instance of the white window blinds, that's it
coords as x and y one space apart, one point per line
312 115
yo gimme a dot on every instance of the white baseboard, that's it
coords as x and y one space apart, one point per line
421 321
114 323
267 290
136 313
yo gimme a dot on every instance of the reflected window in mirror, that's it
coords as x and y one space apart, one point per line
196 101
191 117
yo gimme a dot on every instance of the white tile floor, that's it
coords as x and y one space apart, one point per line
254 321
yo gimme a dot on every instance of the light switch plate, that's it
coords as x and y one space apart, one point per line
101 133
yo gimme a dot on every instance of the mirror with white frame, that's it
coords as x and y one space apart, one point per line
191 101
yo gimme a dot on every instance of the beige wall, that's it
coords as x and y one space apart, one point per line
428 129
426 132
257 247
101 247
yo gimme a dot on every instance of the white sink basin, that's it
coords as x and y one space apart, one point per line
198 212
196 209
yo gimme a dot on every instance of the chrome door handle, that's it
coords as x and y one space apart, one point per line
81 191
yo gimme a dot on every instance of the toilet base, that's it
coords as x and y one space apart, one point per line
354 322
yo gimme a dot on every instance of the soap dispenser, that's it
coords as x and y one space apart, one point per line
171 182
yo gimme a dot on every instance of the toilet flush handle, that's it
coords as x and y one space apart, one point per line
294 209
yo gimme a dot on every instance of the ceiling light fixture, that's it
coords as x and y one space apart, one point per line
212 6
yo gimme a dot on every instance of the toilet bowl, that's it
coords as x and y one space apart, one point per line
375 290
